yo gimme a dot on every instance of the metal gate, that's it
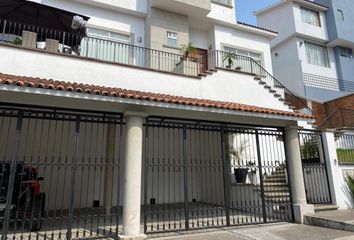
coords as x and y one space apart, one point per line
202 175
59 173
314 168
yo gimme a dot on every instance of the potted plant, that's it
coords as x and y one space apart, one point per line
229 57
350 182
252 174
17 41
237 153
188 50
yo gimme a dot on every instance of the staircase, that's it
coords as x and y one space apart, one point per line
276 191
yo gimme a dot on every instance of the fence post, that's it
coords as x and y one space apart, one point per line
335 175
226 174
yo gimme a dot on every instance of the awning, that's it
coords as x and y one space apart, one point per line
19 14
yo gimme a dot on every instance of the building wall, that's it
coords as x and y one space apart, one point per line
225 36
280 20
223 13
223 85
287 66
315 32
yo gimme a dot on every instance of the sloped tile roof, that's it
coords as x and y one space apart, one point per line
32 82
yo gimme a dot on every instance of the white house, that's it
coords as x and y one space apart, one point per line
132 132
301 55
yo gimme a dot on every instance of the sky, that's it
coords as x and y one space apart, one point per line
245 9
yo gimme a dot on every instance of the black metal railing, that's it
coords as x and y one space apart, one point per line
345 148
314 167
233 61
36 37
311 80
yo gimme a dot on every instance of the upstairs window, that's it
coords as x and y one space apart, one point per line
172 39
255 56
108 35
317 55
310 16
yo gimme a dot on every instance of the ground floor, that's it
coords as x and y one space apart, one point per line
279 231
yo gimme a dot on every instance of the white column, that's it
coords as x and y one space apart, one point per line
335 174
132 176
296 177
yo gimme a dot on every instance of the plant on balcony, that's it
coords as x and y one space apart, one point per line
17 41
188 50
350 183
229 58
237 154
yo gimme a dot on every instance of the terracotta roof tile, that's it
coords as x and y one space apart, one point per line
139 95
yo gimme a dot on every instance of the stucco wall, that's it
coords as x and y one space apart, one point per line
245 41
223 13
223 85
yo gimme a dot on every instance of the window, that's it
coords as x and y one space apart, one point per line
255 56
223 2
346 52
310 16
172 39
103 34
317 55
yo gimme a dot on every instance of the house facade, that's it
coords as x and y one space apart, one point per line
307 46
142 117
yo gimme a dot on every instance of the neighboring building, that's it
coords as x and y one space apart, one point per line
306 52
110 128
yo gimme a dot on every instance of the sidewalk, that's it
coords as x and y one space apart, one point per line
283 231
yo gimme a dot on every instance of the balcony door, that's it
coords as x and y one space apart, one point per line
107 46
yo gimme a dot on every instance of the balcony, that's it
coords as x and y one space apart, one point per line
101 50
193 8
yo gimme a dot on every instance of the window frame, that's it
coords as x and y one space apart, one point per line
318 15
249 52
109 37
173 38
327 62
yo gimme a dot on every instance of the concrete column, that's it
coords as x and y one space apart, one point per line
108 178
132 176
296 177
335 174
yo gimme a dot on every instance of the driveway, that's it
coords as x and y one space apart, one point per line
284 231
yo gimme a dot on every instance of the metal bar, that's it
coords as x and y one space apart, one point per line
326 168
226 176
146 172
73 179
13 168
261 176
185 165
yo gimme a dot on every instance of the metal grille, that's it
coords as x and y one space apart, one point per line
345 147
314 168
59 173
202 175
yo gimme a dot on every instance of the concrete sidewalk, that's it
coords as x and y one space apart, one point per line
283 231
339 219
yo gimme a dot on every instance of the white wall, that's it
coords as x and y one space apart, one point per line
106 18
244 40
316 32
280 19
223 85
199 38
223 13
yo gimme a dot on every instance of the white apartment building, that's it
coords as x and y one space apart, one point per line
301 55
153 116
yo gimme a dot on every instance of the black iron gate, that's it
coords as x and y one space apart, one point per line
201 175
59 173
314 167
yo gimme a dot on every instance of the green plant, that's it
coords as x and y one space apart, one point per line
188 50
17 41
350 182
345 155
309 149
229 58
238 152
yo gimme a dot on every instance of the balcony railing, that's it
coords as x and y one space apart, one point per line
232 61
311 80
50 40
95 48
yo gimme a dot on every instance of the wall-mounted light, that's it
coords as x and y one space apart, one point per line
139 39
210 47
276 54
301 43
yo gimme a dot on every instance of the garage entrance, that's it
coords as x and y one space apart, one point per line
59 173
202 174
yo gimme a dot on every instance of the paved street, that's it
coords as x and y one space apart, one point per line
263 232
